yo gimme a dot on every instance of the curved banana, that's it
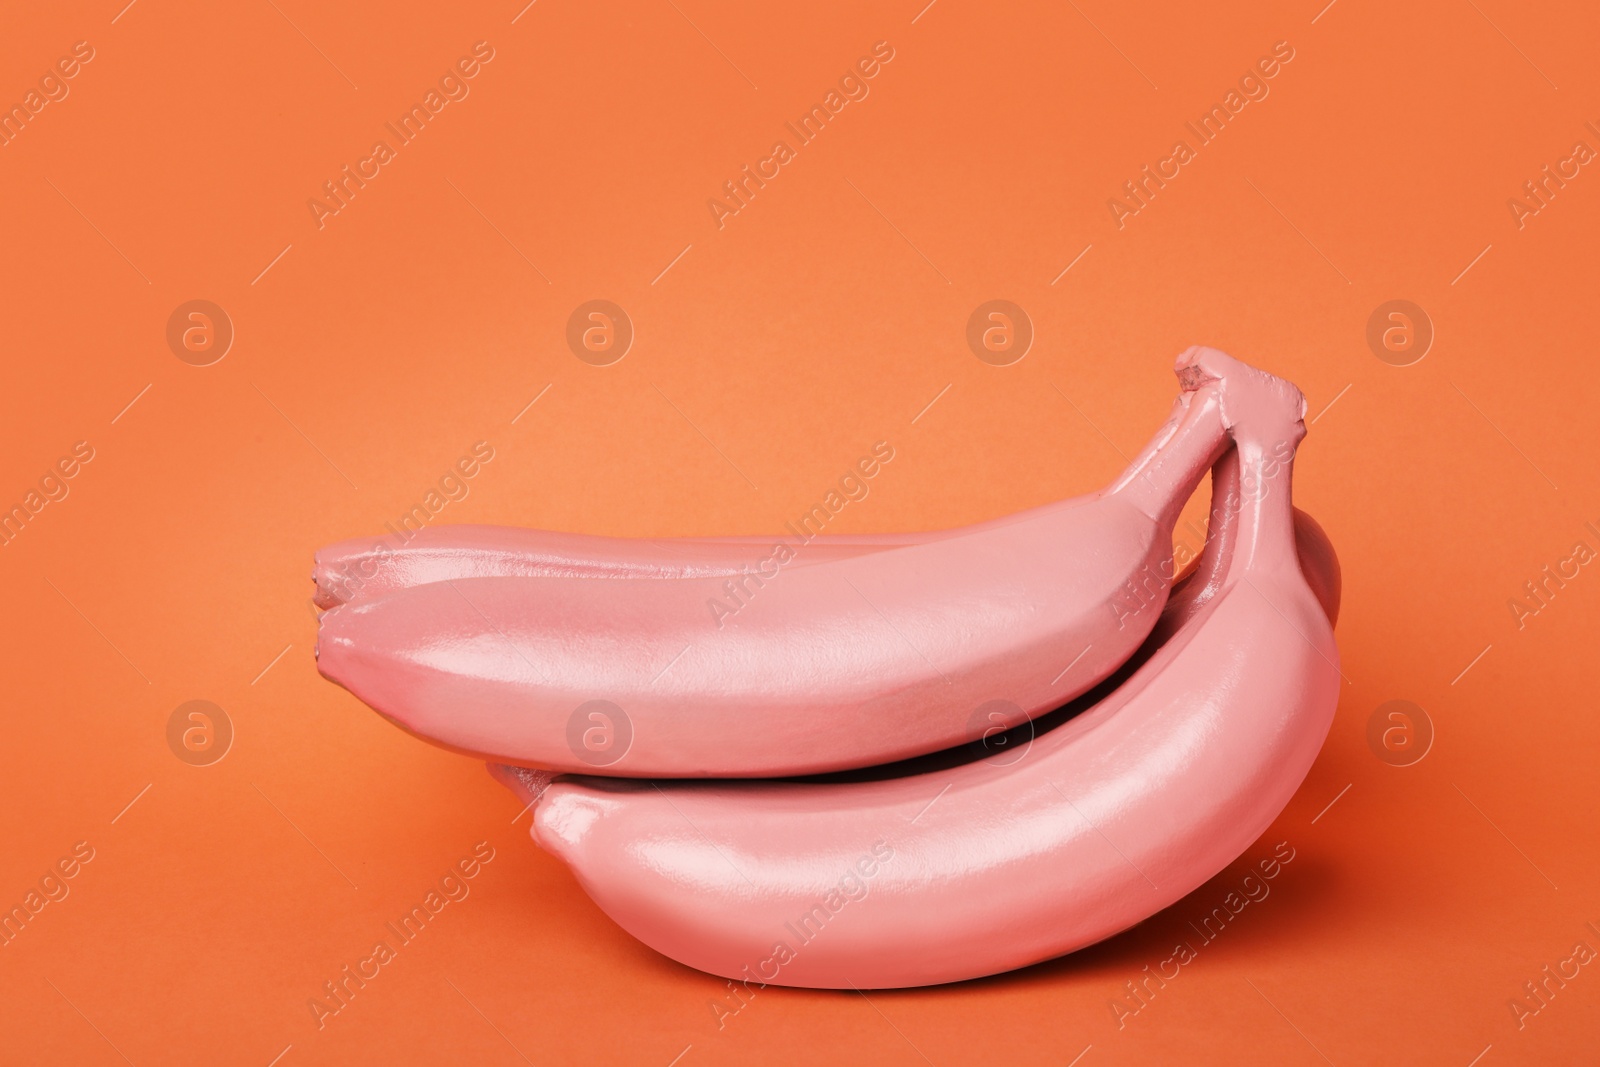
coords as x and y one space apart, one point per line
367 568
1198 583
991 865
869 655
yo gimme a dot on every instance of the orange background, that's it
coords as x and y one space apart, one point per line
824 316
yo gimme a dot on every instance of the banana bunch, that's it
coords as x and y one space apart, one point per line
1002 742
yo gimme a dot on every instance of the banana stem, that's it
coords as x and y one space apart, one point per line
1162 479
1266 539
1210 574
1264 416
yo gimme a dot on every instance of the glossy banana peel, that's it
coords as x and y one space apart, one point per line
860 653
960 860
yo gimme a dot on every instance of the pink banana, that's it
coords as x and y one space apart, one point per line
995 864
364 569
870 655
1197 584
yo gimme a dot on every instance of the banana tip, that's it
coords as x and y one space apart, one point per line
1199 364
